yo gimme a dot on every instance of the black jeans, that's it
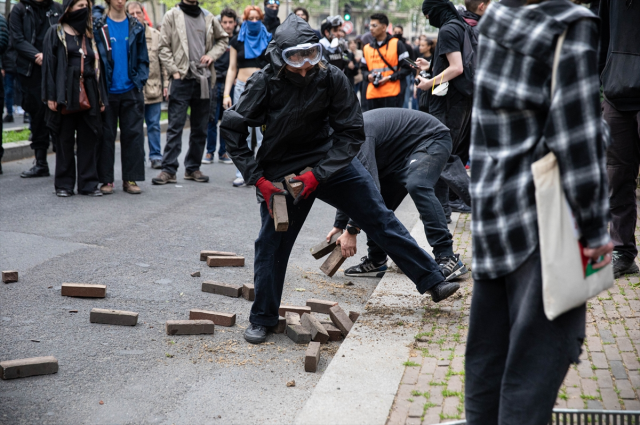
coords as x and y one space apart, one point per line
185 94
623 162
386 102
1 122
127 111
353 191
32 103
516 359
418 177
87 153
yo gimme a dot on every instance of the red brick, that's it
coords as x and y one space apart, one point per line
334 333
333 262
33 366
320 306
189 327
83 290
248 292
222 288
340 319
10 276
312 357
313 325
281 326
219 319
300 310
113 317
280 212
294 188
205 254
324 247
224 261
298 334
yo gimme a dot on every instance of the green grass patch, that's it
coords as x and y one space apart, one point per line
423 334
590 397
434 383
15 136
410 363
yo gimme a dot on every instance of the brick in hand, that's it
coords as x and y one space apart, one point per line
83 290
10 276
333 262
22 368
312 357
324 247
280 212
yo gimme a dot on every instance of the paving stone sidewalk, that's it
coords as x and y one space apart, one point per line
608 376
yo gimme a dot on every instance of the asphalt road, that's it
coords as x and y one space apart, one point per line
144 249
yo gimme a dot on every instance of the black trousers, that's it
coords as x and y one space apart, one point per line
185 94
87 154
1 109
32 103
516 359
127 111
386 102
623 163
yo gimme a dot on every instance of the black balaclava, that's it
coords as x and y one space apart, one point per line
192 10
300 81
77 19
440 12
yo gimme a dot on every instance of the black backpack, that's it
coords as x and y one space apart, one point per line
464 82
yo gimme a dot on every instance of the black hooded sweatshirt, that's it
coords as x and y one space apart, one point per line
319 125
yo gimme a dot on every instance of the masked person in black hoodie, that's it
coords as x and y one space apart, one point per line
271 20
29 22
70 67
311 118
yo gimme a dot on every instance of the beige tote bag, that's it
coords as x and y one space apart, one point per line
567 279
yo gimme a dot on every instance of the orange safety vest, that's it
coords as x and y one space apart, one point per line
376 64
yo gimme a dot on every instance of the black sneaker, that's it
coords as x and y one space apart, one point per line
367 268
443 291
623 265
7 118
452 267
459 206
255 334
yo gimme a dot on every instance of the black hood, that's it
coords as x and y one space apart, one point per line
290 33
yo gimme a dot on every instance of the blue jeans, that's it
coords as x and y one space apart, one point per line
212 128
353 191
152 118
8 92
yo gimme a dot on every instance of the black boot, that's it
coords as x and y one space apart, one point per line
41 167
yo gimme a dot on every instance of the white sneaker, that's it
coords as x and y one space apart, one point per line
239 182
18 110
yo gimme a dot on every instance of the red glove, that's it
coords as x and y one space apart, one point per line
268 190
309 184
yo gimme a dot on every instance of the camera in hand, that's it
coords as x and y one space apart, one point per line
423 74
377 76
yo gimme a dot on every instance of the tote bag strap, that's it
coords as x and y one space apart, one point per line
556 60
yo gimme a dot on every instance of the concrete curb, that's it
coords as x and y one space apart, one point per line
21 150
361 382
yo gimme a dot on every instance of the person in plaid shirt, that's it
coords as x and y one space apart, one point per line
516 358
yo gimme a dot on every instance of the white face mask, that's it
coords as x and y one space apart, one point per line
335 42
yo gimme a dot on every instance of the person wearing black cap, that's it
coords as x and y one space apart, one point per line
71 64
325 133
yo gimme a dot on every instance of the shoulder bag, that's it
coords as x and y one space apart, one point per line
83 99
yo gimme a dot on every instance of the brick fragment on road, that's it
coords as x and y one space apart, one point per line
320 306
333 262
312 357
83 290
281 326
334 333
340 319
353 316
9 276
189 327
222 288
324 247
300 310
11 369
113 317
294 330
313 325
249 292
280 212
195 274
225 261
205 254
219 319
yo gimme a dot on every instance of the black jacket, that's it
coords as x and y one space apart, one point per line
620 53
23 30
4 37
318 126
271 20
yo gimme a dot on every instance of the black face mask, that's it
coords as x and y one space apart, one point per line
272 13
77 20
300 81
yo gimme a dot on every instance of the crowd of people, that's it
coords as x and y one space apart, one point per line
361 123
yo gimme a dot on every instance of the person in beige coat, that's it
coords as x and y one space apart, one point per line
155 89
191 40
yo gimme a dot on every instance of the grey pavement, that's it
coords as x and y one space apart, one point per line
144 249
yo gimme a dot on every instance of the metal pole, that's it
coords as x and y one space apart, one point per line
333 8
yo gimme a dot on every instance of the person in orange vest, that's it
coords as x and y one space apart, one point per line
383 65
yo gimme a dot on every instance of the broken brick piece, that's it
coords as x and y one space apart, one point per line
113 317
312 357
320 306
294 188
281 326
291 318
334 333
318 332
205 254
219 319
189 327
83 290
22 368
340 319
333 262
280 212
248 292
10 276
298 334
293 308
222 288
324 247
225 261
195 274
353 316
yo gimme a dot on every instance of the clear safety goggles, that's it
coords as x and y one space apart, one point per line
335 21
296 56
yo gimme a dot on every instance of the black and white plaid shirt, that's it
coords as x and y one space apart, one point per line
514 123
